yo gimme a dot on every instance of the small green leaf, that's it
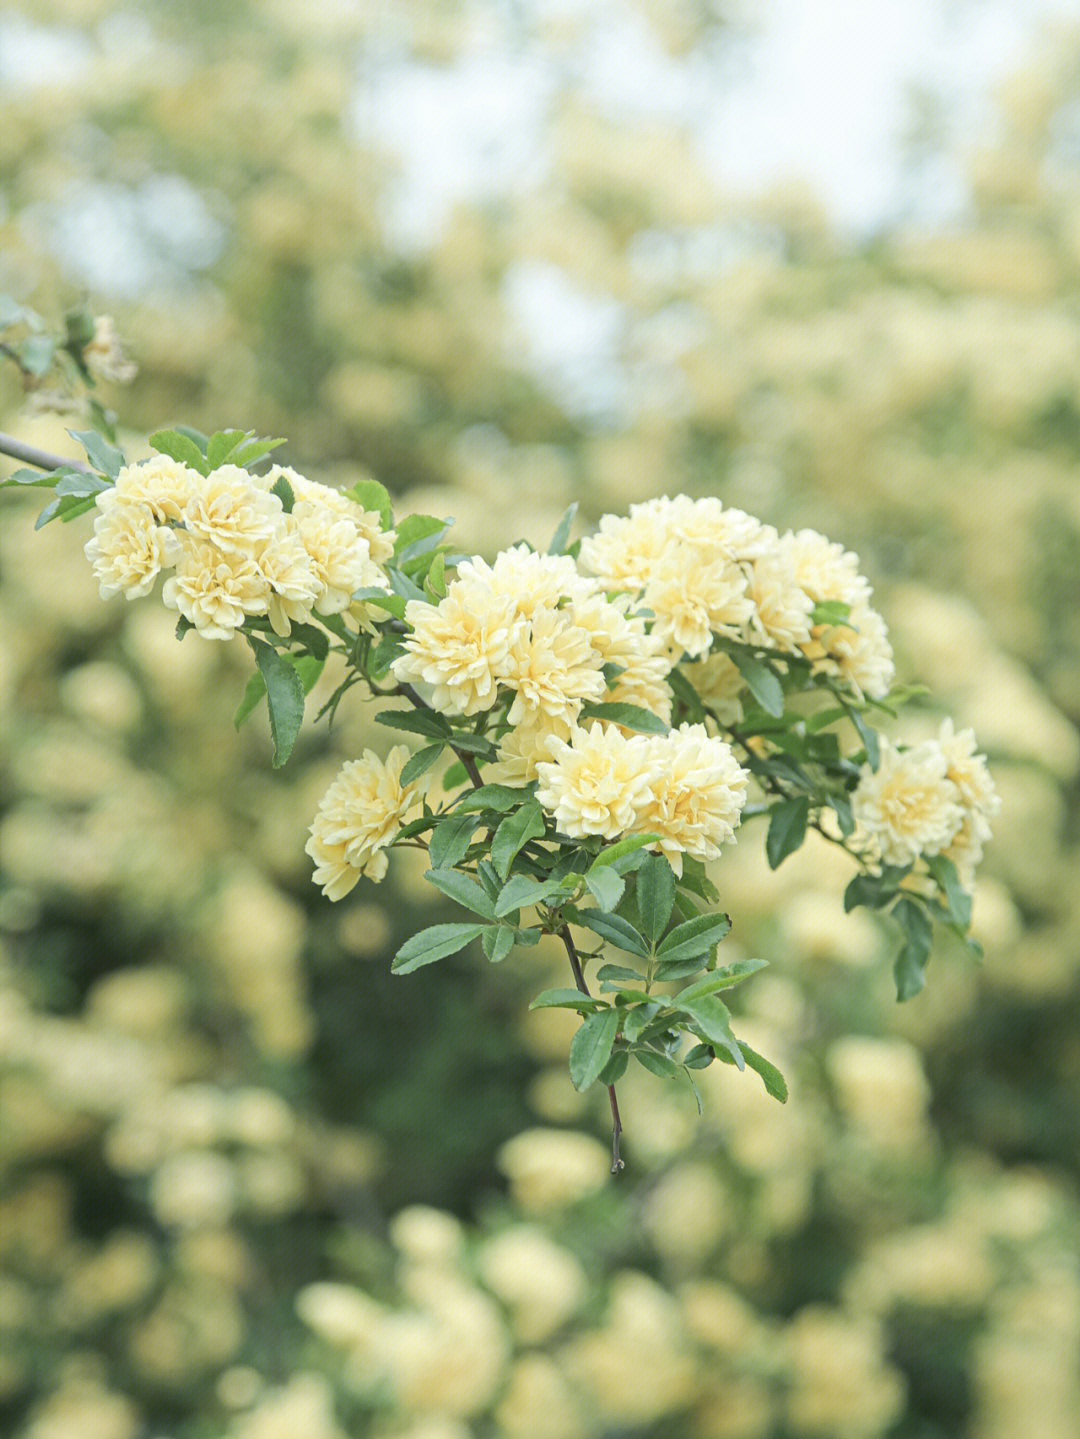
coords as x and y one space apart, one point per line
712 1020
422 760
610 972
463 890
253 693
435 579
455 776
725 978
425 722
831 612
685 691
492 796
614 929
436 942
693 939
285 695
284 492
251 451
562 533
416 530
370 495
655 895
80 483
181 447
631 716
869 737
621 849
450 840
787 829
101 454
514 833
658 1064
606 886
520 890
615 1068
372 595
957 897
201 440
824 718
773 1080
35 478
910 967
498 941
590 1048
762 683
565 999
222 444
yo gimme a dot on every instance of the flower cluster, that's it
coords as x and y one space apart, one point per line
705 570
686 787
358 817
936 797
234 546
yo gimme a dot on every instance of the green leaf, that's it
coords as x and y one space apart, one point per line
869 737
874 890
514 833
181 447
101 454
841 805
309 668
823 718
685 691
285 695
658 1064
787 829
436 942
422 760
614 929
471 743
385 653
632 716
201 440
251 451
284 492
712 1020
725 978
655 895
910 967
520 890
492 796
36 353
372 595
450 840
622 849
253 693
590 1048
80 483
463 890
455 776
693 939
612 972
831 612
63 507
402 585
565 999
414 530
562 533
773 1080
762 683
498 941
615 1068
35 477
222 444
370 495
957 897
435 579
606 886
425 722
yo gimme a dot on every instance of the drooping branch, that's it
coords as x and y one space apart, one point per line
40 459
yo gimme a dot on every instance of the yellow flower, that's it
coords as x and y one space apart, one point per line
597 782
909 806
692 601
294 585
339 556
129 549
163 485
358 817
719 682
552 665
232 512
459 647
213 590
698 790
532 580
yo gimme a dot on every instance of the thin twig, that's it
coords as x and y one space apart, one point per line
617 1161
40 459
465 758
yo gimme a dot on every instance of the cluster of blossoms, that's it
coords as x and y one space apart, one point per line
359 816
936 797
705 570
235 549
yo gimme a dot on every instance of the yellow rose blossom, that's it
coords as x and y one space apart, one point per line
597 782
522 748
339 556
128 551
552 666
696 796
213 590
226 508
293 584
691 602
534 581
909 806
358 817
459 647
162 484
319 496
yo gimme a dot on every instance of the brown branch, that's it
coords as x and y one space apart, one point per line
617 1161
40 459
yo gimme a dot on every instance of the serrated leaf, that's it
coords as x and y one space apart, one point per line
372 595
562 533
614 929
201 440
418 533
253 693
63 507
498 941
565 999
622 849
658 1064
284 492
606 886
492 796
450 840
425 722
436 942
101 454
693 939
222 444
609 973
34 478
181 447
712 1020
787 829
251 451
370 495
631 716
590 1048
285 696
615 1068
761 682
655 890
81 483
718 979
520 890
463 890
774 1081
421 761
514 832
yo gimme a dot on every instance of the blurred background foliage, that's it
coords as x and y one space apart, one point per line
251 1186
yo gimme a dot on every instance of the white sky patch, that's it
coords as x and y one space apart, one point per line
32 55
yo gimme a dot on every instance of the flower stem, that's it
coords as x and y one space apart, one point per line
40 459
617 1161
463 755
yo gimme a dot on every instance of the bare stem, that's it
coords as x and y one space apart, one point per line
40 459
617 1161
